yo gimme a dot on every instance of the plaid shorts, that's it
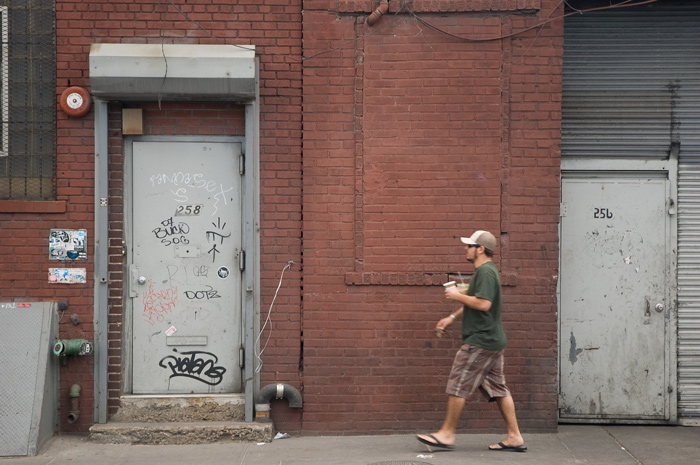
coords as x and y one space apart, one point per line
475 367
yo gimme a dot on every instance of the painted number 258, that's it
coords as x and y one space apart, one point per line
188 210
602 213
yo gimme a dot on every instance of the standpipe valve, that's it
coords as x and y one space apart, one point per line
72 347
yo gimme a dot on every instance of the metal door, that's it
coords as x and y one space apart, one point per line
185 280
614 302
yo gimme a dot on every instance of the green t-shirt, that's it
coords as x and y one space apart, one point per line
484 329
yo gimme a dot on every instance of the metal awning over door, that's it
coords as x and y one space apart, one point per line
173 72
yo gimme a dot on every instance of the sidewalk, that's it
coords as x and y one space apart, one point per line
573 444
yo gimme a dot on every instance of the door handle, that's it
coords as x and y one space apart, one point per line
647 311
659 307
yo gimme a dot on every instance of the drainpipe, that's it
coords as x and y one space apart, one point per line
74 394
376 14
278 391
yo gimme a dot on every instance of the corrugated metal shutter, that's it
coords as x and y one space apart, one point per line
623 76
631 89
689 285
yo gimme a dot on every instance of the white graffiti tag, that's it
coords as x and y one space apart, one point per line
181 184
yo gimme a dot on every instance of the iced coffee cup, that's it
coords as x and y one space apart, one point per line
462 288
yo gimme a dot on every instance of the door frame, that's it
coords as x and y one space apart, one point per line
669 166
251 242
110 84
128 302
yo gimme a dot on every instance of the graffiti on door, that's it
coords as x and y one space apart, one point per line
186 245
194 364
184 182
158 303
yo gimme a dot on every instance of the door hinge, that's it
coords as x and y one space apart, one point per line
241 164
241 357
562 209
241 260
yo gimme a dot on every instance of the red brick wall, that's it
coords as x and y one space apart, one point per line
531 195
411 139
274 27
25 229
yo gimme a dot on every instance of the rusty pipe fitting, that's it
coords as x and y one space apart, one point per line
376 14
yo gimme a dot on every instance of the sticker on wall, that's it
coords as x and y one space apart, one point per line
15 305
223 272
67 275
68 244
170 331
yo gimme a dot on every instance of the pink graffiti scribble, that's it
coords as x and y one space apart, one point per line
157 303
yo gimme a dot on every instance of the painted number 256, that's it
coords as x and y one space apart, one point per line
602 213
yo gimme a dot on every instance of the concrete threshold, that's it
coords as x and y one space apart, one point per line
204 432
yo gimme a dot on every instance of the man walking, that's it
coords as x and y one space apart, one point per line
479 362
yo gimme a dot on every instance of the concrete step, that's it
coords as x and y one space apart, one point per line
180 408
169 433
180 419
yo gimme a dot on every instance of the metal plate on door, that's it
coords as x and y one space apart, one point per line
186 340
187 251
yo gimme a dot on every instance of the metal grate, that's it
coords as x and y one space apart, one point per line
28 100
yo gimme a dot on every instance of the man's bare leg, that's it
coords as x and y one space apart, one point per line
507 408
446 434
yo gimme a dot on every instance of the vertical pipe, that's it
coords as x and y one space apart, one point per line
100 294
74 395
251 231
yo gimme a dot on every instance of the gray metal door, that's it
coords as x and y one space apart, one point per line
614 303
185 280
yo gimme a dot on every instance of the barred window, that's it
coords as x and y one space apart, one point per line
28 100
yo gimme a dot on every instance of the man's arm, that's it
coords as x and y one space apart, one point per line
448 320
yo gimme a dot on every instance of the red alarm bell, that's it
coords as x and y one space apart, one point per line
75 101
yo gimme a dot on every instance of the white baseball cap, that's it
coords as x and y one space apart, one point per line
484 238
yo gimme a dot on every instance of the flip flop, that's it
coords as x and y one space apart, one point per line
437 443
503 448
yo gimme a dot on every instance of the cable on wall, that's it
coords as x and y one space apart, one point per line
258 356
549 19
405 6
